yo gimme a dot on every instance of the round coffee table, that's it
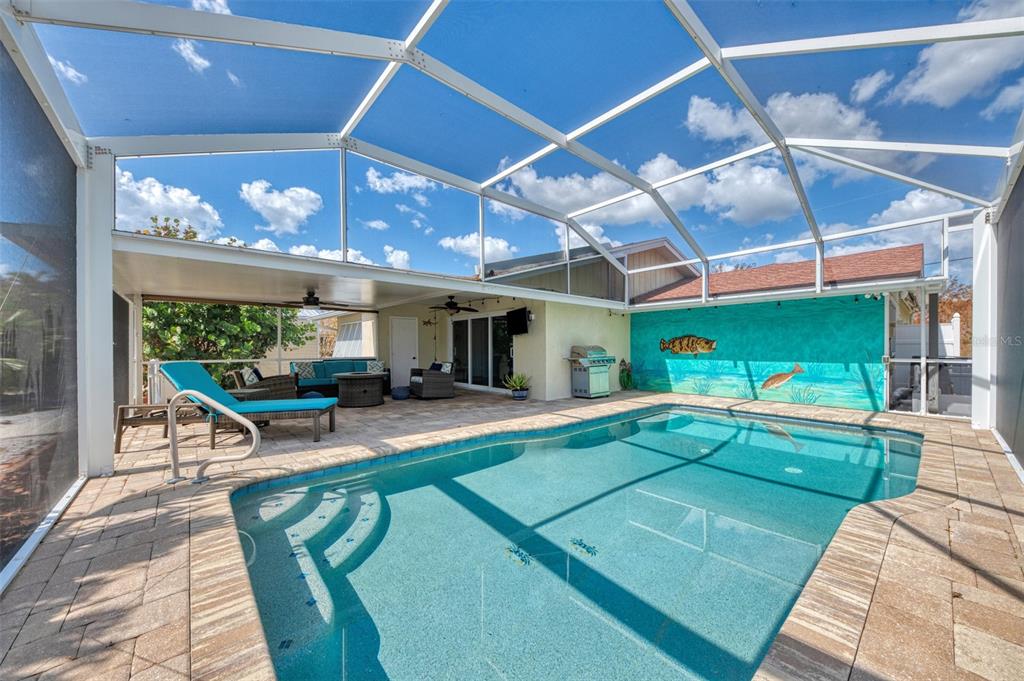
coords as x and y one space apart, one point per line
360 389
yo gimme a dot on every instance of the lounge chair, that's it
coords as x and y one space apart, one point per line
192 376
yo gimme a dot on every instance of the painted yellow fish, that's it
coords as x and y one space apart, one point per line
686 345
775 380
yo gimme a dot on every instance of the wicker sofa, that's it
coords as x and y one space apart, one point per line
278 387
431 384
322 380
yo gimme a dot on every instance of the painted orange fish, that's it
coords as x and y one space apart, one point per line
775 380
686 345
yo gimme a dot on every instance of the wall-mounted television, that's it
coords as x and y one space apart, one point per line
518 321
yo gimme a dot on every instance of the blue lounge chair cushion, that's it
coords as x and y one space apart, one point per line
271 406
192 376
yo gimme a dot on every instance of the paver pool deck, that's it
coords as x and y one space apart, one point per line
145 580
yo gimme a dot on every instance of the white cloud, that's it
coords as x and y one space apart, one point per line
917 203
469 245
187 50
948 72
377 224
265 244
67 72
285 211
576 241
395 257
719 123
409 210
867 87
235 80
750 193
428 231
1010 99
421 199
820 114
311 251
397 182
357 257
138 200
214 6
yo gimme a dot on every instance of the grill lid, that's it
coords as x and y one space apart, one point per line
587 351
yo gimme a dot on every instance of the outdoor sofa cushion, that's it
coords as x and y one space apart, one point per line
313 382
325 369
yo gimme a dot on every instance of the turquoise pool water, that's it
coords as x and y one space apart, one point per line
665 546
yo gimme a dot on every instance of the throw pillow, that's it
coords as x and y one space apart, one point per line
249 376
257 373
436 366
446 367
304 370
375 366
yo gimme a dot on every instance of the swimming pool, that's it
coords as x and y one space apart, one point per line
663 545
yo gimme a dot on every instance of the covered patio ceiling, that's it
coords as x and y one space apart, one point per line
156 267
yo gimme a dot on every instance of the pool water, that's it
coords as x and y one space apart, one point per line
668 546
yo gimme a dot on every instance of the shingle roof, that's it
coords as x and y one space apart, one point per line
887 263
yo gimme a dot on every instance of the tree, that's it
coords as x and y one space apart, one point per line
179 330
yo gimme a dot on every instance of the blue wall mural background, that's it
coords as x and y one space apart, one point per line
825 351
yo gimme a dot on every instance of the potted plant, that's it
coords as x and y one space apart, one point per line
519 384
625 375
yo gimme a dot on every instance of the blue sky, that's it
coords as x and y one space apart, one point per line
565 62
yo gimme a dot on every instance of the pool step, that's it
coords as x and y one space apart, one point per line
366 511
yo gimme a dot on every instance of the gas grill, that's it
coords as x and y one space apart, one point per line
590 366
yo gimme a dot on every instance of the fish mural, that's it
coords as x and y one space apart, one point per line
775 380
687 345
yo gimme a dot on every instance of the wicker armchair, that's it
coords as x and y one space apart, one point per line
431 384
279 387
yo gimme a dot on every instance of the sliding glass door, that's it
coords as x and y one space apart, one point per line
481 350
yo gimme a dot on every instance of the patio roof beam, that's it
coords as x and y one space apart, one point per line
415 36
173 22
608 116
913 147
596 245
1014 168
967 30
689 20
141 146
28 54
860 165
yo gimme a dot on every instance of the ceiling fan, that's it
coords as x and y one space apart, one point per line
311 301
451 307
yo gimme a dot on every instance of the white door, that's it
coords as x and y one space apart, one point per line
404 348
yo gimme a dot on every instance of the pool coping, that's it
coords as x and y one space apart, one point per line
226 638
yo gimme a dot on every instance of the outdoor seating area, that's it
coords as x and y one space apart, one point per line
459 339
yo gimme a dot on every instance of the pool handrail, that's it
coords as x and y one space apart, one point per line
172 434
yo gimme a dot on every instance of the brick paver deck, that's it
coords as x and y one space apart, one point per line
145 580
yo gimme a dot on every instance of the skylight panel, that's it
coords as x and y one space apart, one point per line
128 84
695 122
522 247
564 182
406 221
392 19
421 118
742 22
967 92
844 198
638 220
564 62
286 202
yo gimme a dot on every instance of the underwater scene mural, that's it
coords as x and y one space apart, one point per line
825 351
